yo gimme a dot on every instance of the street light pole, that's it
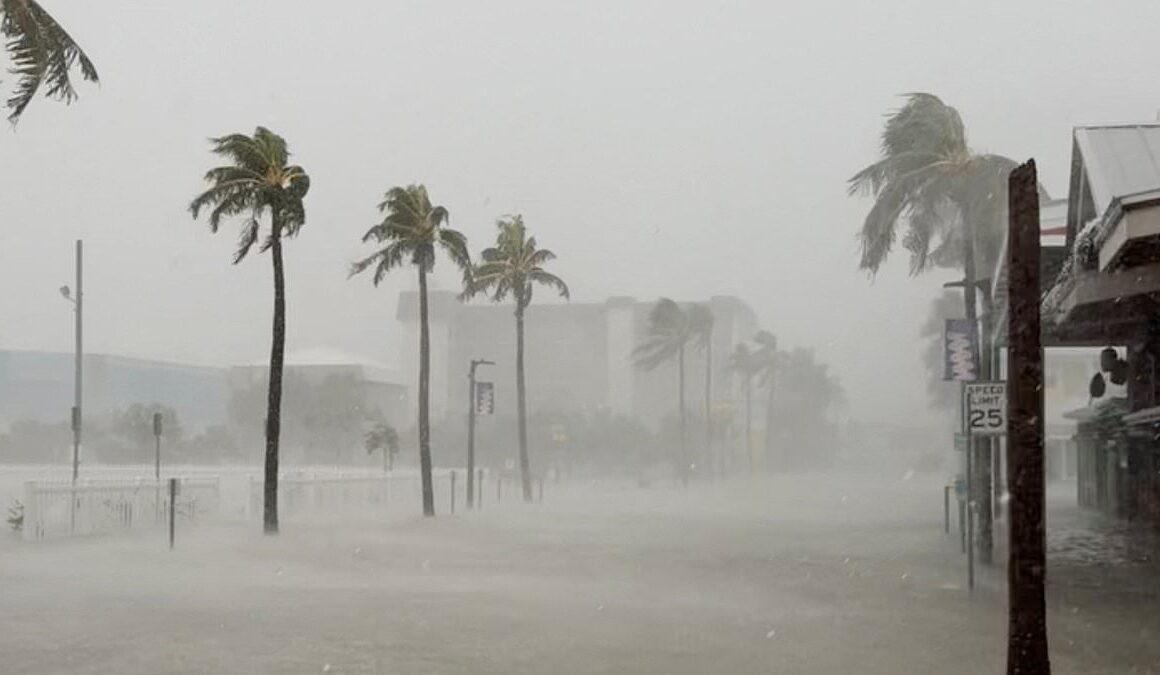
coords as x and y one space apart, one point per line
982 480
78 366
475 363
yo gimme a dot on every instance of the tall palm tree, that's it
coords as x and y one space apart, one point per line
43 54
952 202
745 363
669 334
412 230
513 267
259 180
767 363
700 319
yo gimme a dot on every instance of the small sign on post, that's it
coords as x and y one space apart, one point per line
986 408
484 398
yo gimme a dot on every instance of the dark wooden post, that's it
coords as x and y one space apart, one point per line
1027 566
172 508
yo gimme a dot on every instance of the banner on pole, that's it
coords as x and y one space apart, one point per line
484 398
960 344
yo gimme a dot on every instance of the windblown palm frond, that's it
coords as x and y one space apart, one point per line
412 231
514 266
669 331
700 319
928 181
43 55
256 182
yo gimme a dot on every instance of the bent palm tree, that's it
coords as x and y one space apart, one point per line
258 181
744 362
952 202
513 267
669 333
43 55
411 232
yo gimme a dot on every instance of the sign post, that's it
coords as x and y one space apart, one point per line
984 414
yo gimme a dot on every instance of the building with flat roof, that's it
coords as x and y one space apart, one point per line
578 356
36 385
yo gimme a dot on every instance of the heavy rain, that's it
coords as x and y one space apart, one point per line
545 337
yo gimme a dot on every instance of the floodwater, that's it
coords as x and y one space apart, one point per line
796 574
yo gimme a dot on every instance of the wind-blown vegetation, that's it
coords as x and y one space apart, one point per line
412 231
260 182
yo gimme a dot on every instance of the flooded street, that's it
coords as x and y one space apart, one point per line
804 574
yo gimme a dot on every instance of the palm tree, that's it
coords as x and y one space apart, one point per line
385 439
766 363
513 267
669 333
42 54
952 202
700 319
411 231
745 363
260 180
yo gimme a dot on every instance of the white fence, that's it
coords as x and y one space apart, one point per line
304 494
60 509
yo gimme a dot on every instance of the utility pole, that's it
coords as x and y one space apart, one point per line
475 363
78 366
1026 567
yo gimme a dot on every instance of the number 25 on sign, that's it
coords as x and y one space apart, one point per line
986 407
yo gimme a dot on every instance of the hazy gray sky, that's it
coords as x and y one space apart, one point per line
661 148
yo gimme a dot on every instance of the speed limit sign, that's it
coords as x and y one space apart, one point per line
986 408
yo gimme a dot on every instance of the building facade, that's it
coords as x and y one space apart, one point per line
578 356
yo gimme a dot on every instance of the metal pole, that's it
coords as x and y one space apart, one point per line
78 384
471 434
479 495
172 508
453 492
947 509
970 513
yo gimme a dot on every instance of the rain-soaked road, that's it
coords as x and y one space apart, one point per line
814 574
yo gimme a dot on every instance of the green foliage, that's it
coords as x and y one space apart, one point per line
134 425
411 231
385 439
513 266
670 329
257 180
745 361
33 442
323 419
43 54
930 182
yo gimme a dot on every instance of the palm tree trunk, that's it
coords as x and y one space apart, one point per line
424 399
684 434
709 456
769 414
749 422
522 405
274 398
981 465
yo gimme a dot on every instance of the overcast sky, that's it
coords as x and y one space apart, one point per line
660 148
